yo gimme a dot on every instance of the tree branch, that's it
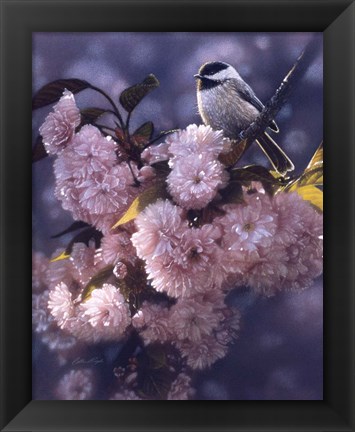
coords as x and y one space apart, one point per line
274 105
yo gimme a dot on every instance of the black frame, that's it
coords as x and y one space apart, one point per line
336 19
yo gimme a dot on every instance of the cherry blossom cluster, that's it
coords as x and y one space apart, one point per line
90 183
165 275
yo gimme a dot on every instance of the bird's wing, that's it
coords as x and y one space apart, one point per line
246 92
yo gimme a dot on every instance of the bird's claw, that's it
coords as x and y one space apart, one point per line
241 135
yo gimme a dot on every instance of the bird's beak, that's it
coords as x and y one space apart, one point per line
198 76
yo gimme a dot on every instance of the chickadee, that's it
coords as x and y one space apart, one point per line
226 102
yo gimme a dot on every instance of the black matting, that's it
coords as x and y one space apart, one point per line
18 20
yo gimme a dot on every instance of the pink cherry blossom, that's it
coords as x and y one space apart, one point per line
152 321
91 184
80 328
84 262
192 320
102 193
202 354
182 272
59 126
195 180
181 388
196 139
60 342
305 263
116 247
156 153
125 394
120 270
198 247
44 324
295 217
293 257
41 320
189 263
249 225
76 385
39 271
300 232
159 229
228 330
146 174
90 152
60 304
107 311
67 191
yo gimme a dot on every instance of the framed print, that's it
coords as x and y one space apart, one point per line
177 215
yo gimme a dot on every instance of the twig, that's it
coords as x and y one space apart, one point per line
115 109
274 105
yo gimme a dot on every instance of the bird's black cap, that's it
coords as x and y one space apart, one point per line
211 68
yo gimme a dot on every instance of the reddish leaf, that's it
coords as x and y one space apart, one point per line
143 134
131 97
90 115
53 91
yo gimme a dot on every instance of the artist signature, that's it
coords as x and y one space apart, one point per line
93 360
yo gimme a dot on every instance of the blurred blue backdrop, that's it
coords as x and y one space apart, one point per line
279 354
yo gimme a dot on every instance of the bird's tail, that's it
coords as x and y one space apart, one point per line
278 158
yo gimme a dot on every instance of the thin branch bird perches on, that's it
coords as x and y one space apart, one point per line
276 102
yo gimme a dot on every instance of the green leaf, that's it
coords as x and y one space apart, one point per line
134 285
96 282
147 197
157 357
156 384
232 193
84 236
73 227
90 115
146 130
155 376
131 97
256 173
162 169
38 150
53 91
163 134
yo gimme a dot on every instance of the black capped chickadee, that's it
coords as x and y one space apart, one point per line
226 102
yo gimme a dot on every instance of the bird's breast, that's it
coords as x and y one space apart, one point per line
225 110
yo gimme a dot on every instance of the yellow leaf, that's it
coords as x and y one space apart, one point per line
96 282
87 293
311 177
311 194
147 197
60 257
317 158
275 174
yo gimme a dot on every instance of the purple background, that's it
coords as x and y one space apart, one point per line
279 354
